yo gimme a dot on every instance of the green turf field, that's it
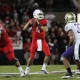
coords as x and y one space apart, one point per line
36 68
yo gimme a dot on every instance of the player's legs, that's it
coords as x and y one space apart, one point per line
32 54
76 56
8 50
46 51
78 64
68 53
26 56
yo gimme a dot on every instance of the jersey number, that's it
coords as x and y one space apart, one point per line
37 30
78 27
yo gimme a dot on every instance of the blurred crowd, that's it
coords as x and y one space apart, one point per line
14 14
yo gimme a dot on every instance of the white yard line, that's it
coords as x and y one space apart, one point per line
18 74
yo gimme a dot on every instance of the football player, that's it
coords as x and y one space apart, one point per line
39 27
73 29
7 48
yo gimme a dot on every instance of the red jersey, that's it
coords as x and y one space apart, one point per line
37 32
4 37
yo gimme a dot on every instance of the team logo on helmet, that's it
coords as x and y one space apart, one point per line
70 17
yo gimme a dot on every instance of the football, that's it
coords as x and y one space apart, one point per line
32 21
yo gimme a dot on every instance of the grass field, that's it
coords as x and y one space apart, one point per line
36 68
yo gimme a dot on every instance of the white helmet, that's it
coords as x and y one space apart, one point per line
38 14
70 17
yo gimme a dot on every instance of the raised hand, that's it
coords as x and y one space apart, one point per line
32 21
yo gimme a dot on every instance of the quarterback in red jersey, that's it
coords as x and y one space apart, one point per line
7 48
39 27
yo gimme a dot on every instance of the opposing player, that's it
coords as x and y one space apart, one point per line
73 30
7 48
39 27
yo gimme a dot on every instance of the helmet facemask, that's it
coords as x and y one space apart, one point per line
40 16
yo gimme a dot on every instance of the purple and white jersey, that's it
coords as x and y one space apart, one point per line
75 27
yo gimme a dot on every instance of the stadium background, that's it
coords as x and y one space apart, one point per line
14 14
